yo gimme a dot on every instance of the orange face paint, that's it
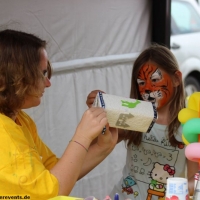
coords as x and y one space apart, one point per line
155 85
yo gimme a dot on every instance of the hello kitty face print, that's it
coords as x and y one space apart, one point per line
155 85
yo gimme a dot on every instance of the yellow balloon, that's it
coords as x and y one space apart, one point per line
184 140
194 101
186 113
192 111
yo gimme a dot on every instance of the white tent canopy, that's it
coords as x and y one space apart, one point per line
92 45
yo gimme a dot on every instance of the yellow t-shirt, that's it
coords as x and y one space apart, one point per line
25 160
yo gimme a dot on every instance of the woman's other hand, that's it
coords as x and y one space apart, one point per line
109 139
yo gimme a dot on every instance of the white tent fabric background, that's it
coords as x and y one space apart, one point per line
92 45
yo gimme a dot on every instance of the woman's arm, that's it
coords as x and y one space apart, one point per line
73 162
99 150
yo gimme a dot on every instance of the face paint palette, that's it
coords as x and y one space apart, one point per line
126 113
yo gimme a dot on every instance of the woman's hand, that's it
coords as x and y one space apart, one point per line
108 140
92 123
91 96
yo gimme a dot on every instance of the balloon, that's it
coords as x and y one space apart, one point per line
190 120
194 100
192 152
191 130
185 114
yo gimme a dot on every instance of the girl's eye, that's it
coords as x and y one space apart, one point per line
155 80
140 82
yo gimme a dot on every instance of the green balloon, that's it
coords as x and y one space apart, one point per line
191 130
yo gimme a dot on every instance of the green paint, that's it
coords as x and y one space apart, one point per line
130 104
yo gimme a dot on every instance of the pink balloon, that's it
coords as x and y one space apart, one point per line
192 152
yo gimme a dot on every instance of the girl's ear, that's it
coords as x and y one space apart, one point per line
177 78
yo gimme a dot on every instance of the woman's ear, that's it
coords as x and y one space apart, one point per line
177 78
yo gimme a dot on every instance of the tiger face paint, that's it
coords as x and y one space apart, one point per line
155 85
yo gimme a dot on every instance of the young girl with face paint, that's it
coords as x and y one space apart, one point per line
155 156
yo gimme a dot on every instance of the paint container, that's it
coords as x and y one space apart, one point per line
177 188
